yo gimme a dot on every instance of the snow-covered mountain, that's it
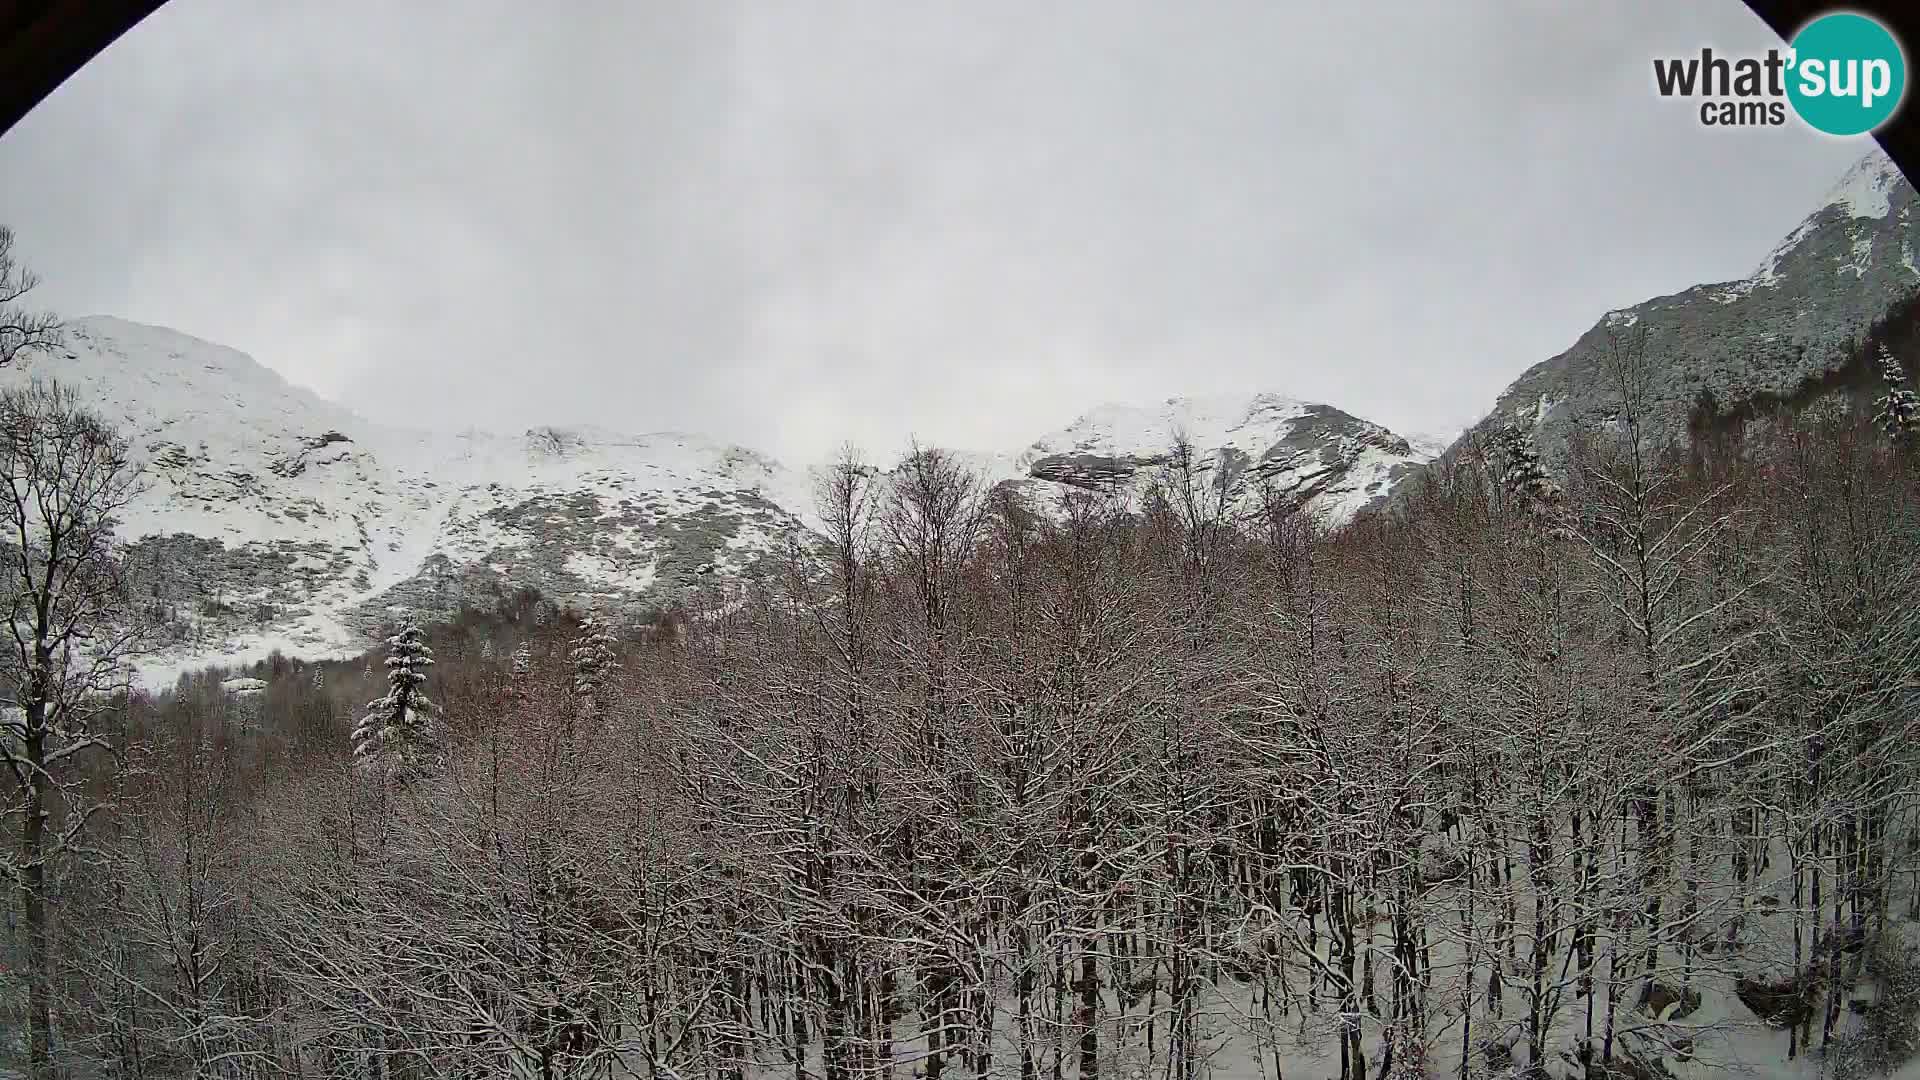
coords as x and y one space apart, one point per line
276 519
273 518
1787 330
1324 460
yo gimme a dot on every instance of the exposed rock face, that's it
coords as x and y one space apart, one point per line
1322 459
1791 323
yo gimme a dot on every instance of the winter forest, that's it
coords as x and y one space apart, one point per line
1594 763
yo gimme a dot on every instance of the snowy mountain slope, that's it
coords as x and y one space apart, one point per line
1324 460
1786 326
272 518
231 450
594 516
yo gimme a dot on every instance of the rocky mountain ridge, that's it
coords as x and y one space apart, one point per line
1319 457
1798 319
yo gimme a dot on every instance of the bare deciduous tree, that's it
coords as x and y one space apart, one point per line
21 328
67 476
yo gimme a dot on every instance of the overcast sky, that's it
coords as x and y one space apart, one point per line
790 224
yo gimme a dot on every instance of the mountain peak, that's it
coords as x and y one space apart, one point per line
151 335
1865 190
1327 461
1866 193
136 373
1204 419
1795 323
108 336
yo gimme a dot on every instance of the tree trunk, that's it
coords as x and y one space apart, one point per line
33 883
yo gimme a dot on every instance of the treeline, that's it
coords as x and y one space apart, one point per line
1587 773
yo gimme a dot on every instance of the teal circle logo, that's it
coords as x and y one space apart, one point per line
1847 74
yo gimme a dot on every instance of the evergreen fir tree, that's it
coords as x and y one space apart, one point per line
593 663
1522 471
1898 410
1524 475
400 730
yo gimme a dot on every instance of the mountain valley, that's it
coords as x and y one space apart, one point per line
274 519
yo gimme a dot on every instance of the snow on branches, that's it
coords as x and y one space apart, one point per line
593 661
400 728
1896 412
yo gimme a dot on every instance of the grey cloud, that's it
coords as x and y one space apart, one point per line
792 224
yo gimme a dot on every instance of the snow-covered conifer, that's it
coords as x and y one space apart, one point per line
400 728
1522 471
1898 410
593 663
